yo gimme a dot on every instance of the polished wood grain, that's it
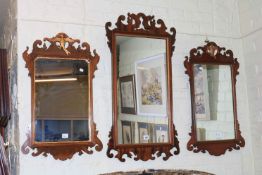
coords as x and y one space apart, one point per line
59 50
211 53
141 25
5 112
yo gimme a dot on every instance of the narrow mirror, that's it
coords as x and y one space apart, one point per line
61 100
212 72
213 102
142 90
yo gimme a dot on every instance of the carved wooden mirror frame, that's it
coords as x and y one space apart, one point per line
142 26
211 53
62 47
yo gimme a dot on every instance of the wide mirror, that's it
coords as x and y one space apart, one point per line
62 121
61 100
214 112
142 88
212 72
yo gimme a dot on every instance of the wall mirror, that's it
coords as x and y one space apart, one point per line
142 88
62 114
212 74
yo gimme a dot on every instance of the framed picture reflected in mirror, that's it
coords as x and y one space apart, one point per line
128 94
151 85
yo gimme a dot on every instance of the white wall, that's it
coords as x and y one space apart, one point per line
85 19
251 30
8 40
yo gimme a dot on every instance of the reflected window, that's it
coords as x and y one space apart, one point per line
61 97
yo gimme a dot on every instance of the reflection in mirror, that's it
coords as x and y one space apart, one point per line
142 90
61 100
214 113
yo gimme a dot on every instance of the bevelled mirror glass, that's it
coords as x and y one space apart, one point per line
62 121
61 100
213 102
212 74
142 89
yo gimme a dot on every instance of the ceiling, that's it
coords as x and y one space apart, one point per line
3 13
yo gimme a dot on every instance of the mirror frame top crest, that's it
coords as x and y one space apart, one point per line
213 54
140 25
65 48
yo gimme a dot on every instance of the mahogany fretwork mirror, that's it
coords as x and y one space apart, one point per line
61 73
212 72
142 88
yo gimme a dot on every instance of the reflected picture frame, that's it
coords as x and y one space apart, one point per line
128 94
151 90
127 132
202 110
145 132
161 133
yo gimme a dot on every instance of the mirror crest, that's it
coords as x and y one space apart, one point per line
140 24
142 88
60 69
212 72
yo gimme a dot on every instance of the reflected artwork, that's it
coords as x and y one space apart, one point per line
201 95
127 94
151 89
161 133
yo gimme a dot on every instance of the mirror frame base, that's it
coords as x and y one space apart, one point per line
211 53
62 46
142 152
59 151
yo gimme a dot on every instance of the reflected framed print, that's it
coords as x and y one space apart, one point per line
202 111
127 132
161 133
151 86
128 94
145 131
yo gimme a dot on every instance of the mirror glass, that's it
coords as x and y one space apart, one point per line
61 100
142 90
214 113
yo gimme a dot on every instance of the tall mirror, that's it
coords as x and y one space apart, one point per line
212 72
62 106
142 89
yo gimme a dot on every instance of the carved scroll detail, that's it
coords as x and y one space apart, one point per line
142 152
59 46
143 25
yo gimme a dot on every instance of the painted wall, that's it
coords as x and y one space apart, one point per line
85 19
8 40
251 30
